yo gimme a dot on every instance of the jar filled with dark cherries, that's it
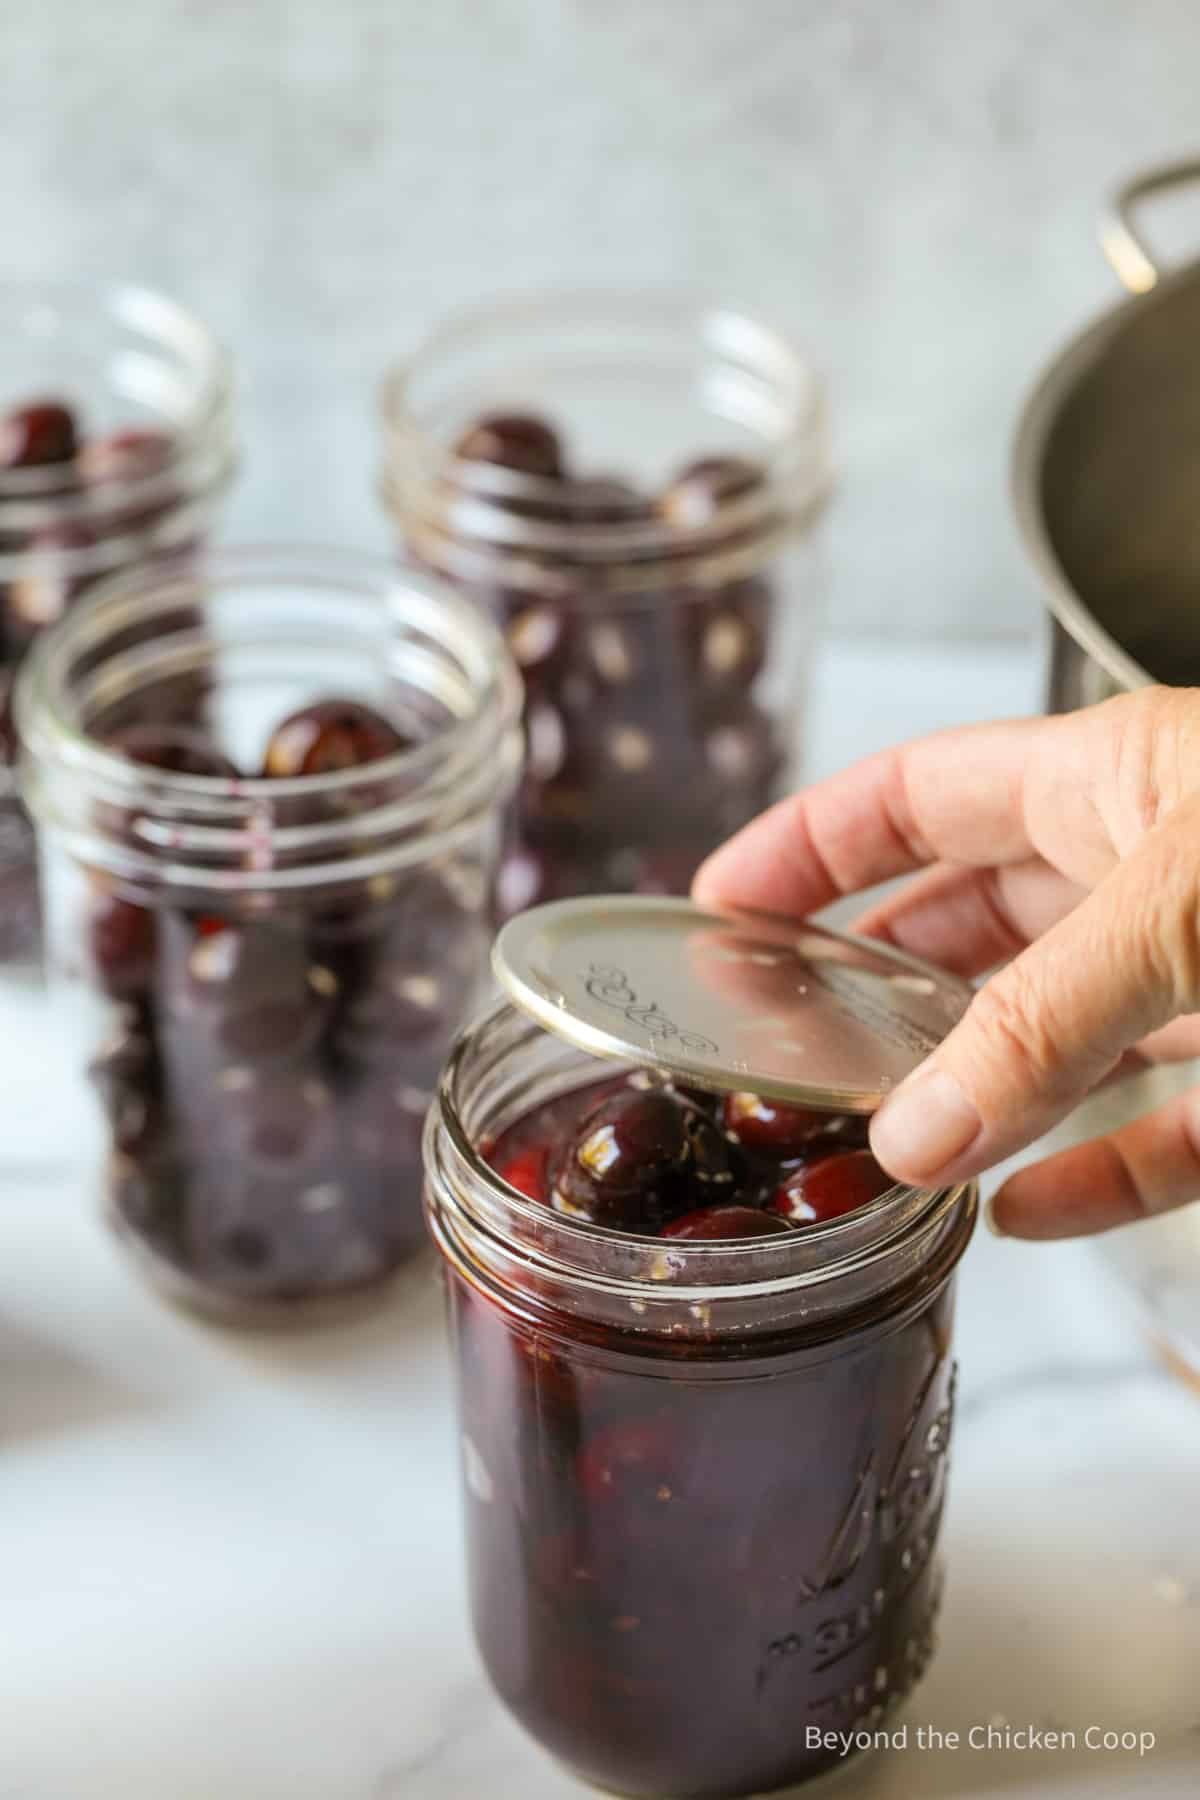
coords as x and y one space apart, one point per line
703 1342
266 921
116 444
629 484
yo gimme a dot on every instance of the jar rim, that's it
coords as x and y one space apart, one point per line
198 448
622 1264
422 477
218 814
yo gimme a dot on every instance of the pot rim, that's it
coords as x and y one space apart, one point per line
1039 409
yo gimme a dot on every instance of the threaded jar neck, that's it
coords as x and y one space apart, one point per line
819 1281
639 384
263 632
155 396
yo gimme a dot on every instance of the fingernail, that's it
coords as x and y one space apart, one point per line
926 1123
989 1216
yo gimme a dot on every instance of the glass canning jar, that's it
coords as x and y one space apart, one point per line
264 974
139 398
656 575
704 1481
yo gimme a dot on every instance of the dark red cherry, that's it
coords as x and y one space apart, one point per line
328 736
727 636
526 1171
38 435
173 749
842 1137
123 941
772 1128
725 1222
703 487
711 1170
398 1009
402 950
623 1165
282 1121
516 441
741 751
630 1138
639 1157
605 500
176 749
252 994
827 1189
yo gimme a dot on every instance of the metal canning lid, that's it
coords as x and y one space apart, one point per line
729 1000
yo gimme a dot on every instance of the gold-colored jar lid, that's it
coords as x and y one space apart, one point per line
729 1000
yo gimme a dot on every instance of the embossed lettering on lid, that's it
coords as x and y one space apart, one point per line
728 999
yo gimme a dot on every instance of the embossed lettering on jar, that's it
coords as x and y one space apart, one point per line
267 930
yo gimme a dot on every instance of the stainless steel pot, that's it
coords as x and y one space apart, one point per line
1107 475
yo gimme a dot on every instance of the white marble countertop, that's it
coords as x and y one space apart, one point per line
230 1566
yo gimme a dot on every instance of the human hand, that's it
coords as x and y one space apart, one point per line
1065 849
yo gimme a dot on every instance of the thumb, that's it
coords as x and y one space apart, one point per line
1044 1030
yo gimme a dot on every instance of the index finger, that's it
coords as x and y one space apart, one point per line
957 796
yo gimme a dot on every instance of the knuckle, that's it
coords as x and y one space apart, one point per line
1010 1019
1169 935
1121 1178
1154 742
1137 747
903 810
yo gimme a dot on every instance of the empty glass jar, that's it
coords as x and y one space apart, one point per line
263 970
116 444
630 484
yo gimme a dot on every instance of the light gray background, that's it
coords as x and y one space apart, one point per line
911 184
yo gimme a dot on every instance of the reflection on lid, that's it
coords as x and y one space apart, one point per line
729 1000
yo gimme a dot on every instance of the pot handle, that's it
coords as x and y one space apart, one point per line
1120 238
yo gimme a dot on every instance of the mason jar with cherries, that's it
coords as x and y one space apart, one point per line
267 918
116 444
703 1342
630 483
